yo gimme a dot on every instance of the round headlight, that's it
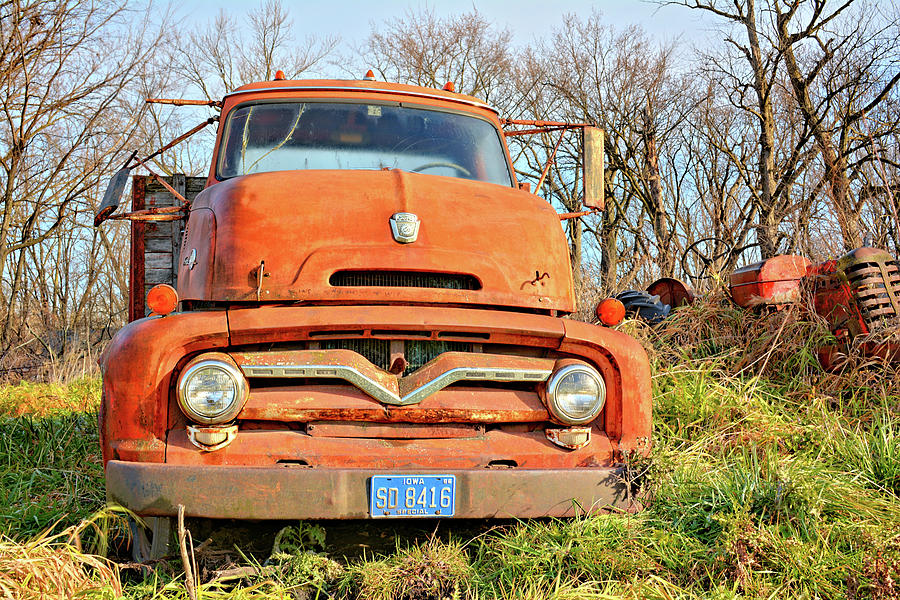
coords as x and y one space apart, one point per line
576 394
212 391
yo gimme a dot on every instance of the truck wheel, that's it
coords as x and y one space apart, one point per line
152 542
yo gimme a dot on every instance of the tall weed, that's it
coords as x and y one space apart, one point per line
50 470
874 452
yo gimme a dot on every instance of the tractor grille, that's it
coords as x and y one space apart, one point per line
413 279
876 286
416 352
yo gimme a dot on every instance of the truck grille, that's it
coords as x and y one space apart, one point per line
314 384
419 352
416 352
413 279
377 352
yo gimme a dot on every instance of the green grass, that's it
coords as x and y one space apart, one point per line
768 479
50 470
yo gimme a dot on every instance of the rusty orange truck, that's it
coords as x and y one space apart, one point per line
370 322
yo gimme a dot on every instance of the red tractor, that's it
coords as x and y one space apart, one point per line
858 295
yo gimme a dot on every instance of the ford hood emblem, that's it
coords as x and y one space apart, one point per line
405 227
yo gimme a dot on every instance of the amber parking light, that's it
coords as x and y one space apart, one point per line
610 311
162 299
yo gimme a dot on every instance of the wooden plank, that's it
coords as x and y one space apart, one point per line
194 185
136 272
161 197
159 229
158 260
156 246
157 276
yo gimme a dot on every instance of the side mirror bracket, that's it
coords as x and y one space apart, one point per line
592 161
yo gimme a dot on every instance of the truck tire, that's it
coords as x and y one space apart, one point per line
152 542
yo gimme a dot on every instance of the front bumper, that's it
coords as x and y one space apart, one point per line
257 493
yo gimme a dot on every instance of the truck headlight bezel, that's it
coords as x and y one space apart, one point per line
555 403
190 407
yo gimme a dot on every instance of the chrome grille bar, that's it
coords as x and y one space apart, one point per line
387 396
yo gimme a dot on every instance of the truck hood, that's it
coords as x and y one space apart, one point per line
326 237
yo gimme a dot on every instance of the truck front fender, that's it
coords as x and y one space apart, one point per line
629 406
137 369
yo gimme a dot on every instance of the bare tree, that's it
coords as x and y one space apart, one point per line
626 83
65 111
748 77
879 180
839 71
812 70
422 49
225 55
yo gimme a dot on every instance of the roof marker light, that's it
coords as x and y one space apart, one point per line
279 75
370 75
449 87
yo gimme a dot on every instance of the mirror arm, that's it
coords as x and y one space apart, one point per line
575 215
113 195
167 213
177 140
537 188
183 102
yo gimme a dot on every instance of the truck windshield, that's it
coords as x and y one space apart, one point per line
330 135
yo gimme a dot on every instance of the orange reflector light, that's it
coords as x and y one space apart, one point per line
449 87
610 311
370 75
279 75
162 299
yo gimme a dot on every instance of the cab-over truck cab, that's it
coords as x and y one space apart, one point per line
371 324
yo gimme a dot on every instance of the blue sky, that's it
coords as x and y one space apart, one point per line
527 19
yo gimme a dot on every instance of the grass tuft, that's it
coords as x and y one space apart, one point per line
54 565
47 399
430 569
875 452
50 470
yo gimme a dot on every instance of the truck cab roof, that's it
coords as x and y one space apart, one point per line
354 86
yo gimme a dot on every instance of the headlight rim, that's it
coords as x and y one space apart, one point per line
557 376
232 370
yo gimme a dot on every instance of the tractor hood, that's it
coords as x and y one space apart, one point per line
328 237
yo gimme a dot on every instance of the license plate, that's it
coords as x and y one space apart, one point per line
412 495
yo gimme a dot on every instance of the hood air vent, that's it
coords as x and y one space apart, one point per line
411 279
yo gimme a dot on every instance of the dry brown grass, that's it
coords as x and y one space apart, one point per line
780 346
46 399
54 566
